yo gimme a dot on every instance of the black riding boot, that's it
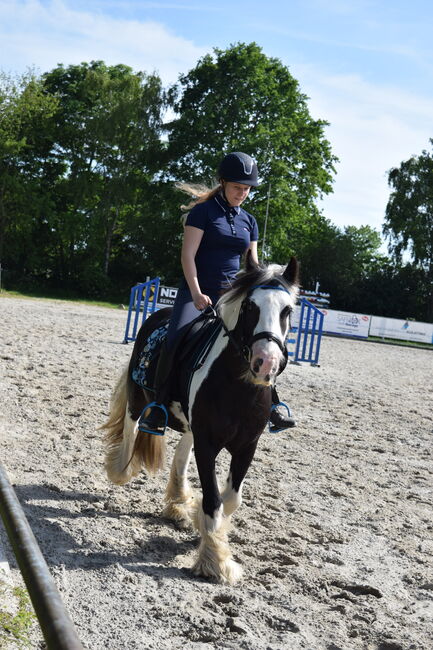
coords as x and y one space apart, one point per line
156 421
278 420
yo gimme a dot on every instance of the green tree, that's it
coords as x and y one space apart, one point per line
25 113
340 260
409 215
107 131
240 99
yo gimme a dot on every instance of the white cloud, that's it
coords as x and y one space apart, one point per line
373 128
32 33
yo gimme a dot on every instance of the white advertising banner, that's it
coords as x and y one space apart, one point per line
346 323
405 330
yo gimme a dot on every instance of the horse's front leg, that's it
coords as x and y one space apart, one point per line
232 493
179 498
214 557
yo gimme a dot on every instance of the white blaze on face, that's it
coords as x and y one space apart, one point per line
266 355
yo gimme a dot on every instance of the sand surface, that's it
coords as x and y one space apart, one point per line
335 533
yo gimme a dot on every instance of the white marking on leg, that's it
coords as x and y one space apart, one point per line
232 499
179 498
213 524
176 411
214 557
182 457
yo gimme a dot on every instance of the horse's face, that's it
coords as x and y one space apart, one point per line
266 322
256 312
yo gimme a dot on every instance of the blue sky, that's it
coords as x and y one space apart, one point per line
366 66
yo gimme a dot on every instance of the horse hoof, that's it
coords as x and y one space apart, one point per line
179 514
228 572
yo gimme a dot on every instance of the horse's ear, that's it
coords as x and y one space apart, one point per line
250 264
291 272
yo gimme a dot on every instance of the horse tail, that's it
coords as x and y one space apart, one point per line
149 451
117 441
127 450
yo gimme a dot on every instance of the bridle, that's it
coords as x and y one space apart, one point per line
244 348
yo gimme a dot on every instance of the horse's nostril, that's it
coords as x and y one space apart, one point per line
257 364
268 378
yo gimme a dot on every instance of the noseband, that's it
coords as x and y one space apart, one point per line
245 347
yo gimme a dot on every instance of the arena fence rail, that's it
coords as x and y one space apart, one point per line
142 300
310 331
57 627
303 341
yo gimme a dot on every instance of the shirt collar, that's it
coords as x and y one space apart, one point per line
234 209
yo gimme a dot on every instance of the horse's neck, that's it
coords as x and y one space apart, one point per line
229 314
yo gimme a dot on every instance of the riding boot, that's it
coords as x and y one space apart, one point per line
278 420
156 421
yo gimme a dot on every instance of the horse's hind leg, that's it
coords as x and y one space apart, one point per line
179 499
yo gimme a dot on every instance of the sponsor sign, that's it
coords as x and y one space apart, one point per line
405 330
166 297
346 323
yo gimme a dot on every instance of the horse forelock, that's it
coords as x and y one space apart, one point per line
229 304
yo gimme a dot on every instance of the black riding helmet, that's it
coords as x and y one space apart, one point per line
238 167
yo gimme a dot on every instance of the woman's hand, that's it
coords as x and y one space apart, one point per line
201 301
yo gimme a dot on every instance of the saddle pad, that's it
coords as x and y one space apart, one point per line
144 373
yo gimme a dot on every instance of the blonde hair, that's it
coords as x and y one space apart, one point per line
199 193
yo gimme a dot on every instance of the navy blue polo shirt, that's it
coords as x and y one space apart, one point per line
227 233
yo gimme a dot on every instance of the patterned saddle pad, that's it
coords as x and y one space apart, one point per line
144 372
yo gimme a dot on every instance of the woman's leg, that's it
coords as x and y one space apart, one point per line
183 313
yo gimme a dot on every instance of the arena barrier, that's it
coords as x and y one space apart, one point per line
55 623
140 301
308 335
303 341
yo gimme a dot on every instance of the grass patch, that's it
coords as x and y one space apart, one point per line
409 344
39 296
15 628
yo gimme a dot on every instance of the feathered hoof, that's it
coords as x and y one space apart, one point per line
226 572
180 513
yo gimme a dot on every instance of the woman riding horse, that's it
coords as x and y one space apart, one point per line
218 231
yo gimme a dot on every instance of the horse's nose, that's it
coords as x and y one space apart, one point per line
264 364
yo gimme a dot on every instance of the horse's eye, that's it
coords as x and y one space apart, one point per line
285 312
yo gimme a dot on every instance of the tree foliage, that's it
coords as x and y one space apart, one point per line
241 100
107 134
409 215
25 112
88 164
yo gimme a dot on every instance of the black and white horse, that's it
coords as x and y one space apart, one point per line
225 404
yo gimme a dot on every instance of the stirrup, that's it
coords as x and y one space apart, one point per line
143 428
272 427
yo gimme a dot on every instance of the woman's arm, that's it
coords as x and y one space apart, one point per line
191 241
253 249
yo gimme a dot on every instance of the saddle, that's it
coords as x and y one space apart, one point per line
190 349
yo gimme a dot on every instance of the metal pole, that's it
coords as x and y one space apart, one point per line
266 222
56 626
